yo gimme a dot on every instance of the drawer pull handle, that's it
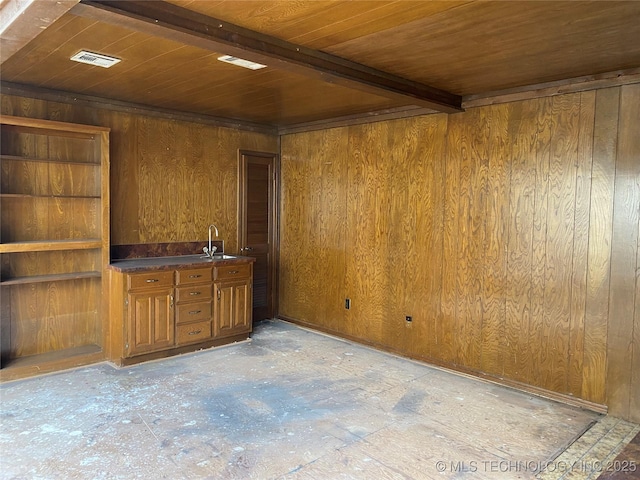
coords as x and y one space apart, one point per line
195 332
153 280
195 276
233 272
194 312
193 294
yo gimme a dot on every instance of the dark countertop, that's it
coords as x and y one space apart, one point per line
134 265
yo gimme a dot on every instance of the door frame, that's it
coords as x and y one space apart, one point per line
274 240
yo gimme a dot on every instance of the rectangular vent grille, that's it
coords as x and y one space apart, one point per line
241 62
95 59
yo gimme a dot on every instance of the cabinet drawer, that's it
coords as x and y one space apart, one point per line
150 280
193 312
193 293
193 332
193 275
232 271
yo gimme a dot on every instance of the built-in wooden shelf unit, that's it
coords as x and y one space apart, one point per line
54 244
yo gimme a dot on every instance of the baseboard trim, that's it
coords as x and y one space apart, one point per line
456 369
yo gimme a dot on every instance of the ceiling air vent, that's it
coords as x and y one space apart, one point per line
241 62
95 59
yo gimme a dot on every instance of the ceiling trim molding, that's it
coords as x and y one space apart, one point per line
16 89
23 20
357 119
571 85
172 22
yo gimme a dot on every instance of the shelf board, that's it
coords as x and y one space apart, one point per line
51 127
26 195
50 277
17 158
41 363
51 245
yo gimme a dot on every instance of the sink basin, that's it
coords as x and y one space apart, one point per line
222 256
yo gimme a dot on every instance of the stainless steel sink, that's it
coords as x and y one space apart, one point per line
215 257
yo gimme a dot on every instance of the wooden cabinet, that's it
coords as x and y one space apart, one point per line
194 312
171 311
150 302
233 296
54 244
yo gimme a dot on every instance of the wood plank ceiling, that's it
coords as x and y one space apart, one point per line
464 48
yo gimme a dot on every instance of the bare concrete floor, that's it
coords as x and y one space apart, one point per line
289 404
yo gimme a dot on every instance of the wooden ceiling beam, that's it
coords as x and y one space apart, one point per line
191 28
23 20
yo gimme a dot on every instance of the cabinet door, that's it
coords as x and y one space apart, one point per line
151 322
233 308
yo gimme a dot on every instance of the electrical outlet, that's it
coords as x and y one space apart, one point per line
408 318
347 303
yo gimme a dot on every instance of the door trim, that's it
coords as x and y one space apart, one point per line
275 215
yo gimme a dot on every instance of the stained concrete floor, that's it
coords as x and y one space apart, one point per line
288 404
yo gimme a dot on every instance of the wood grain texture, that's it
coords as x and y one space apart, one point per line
600 231
559 241
519 241
496 46
621 389
170 179
55 229
425 202
582 202
493 261
494 228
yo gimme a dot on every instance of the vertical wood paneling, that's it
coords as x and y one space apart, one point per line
296 268
497 229
519 243
124 184
473 154
605 135
626 217
426 206
537 348
580 243
445 332
398 225
493 258
169 179
559 241
368 235
332 227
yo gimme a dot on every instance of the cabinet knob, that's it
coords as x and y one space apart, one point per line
233 272
194 312
152 280
195 332
195 276
218 294
171 300
193 294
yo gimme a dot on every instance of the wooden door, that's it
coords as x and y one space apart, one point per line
151 325
257 226
232 313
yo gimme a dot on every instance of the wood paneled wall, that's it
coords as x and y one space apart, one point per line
510 233
170 179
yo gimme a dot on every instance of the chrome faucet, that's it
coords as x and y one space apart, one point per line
211 250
